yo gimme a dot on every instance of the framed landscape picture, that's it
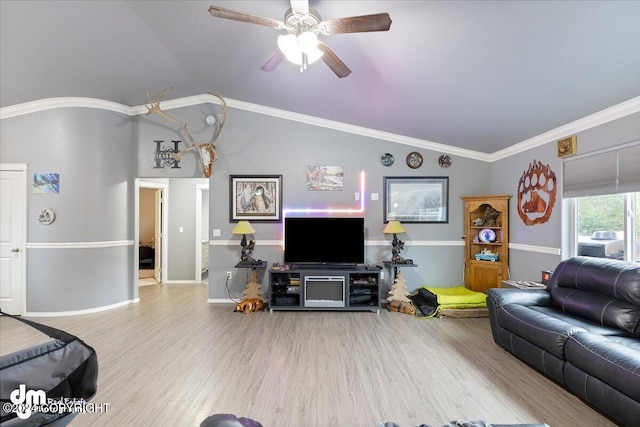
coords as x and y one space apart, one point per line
255 197
416 199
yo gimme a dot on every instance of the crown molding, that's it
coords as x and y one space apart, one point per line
357 130
609 114
67 102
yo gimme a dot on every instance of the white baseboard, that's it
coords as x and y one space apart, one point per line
220 301
183 282
79 312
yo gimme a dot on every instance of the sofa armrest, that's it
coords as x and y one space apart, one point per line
497 297
526 297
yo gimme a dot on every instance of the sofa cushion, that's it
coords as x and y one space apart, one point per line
598 308
616 279
589 326
614 361
542 330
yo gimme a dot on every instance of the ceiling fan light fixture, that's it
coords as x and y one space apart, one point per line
303 23
294 47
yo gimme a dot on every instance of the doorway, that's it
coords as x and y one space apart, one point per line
13 237
180 223
151 232
202 232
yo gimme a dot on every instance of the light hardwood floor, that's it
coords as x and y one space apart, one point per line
173 359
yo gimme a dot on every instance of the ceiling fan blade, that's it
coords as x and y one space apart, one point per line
274 60
358 24
221 12
300 7
332 60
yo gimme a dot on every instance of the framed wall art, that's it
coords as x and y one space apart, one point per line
44 183
568 146
416 199
325 178
255 197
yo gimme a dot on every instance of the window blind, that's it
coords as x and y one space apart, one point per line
610 172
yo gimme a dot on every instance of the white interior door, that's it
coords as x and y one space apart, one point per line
13 213
158 235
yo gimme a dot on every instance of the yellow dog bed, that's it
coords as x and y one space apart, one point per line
458 297
430 301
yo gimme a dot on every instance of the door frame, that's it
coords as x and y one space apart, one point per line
22 244
164 186
199 196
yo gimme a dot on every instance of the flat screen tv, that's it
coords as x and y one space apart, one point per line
324 240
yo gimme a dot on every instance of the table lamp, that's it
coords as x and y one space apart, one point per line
244 228
394 227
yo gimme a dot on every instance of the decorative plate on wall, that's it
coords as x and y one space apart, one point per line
444 161
487 235
46 216
414 160
387 159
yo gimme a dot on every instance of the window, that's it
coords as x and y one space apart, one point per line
603 196
607 226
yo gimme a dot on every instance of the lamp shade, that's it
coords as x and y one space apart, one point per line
243 227
394 227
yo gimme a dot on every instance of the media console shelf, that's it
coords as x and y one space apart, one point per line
355 289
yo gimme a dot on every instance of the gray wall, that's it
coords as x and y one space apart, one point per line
505 174
181 249
91 150
98 153
255 144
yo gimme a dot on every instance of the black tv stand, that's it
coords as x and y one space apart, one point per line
323 266
337 287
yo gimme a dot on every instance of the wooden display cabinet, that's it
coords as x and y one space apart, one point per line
484 217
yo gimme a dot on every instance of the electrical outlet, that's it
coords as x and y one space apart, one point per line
228 275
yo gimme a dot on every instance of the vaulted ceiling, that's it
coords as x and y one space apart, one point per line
477 75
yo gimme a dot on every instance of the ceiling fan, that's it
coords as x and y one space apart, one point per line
303 24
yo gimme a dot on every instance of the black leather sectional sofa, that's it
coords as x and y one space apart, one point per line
583 331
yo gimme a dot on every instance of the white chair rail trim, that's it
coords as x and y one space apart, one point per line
80 245
441 243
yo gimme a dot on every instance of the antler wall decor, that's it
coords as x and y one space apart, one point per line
207 151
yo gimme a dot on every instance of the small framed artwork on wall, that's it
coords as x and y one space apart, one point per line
44 183
255 197
416 199
568 146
